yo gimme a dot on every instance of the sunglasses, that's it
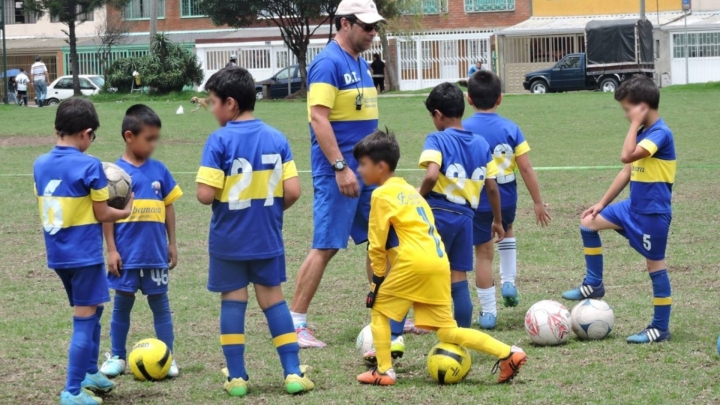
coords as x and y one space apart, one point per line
367 27
92 136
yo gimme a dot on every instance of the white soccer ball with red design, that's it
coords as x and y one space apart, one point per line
548 323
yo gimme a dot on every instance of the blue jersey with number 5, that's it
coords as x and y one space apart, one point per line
246 162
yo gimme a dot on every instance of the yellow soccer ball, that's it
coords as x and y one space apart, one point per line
150 360
448 363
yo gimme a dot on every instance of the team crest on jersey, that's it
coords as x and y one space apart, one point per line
156 187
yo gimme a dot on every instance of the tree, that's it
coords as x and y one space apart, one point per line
71 13
298 20
111 31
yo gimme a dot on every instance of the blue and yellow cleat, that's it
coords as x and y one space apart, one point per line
487 321
510 295
649 335
83 398
584 291
97 383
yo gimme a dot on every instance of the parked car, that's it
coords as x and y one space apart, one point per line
62 88
279 83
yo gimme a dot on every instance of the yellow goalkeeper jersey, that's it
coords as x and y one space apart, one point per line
402 231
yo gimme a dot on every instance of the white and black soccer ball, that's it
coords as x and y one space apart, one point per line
592 319
547 323
119 185
364 341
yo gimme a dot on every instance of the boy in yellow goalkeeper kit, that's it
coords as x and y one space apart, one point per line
402 232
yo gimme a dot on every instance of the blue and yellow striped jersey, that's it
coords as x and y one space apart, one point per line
506 143
67 182
247 163
336 80
465 162
652 178
141 239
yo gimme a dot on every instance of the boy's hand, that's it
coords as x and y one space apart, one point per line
114 263
347 182
542 216
593 211
172 251
374 288
498 231
638 113
127 211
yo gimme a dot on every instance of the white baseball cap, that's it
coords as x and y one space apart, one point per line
365 10
233 56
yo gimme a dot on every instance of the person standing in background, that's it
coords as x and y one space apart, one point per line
378 72
12 86
474 68
21 80
233 61
40 78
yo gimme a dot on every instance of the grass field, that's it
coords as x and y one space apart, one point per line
578 130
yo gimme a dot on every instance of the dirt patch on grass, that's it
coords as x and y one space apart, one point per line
20 141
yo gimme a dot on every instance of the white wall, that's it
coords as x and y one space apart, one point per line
43 28
706 5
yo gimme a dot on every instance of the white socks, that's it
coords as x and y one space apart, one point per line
299 319
508 260
488 304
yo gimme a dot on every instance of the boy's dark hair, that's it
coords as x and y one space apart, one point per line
448 99
75 115
484 89
236 83
138 116
22 69
639 89
380 146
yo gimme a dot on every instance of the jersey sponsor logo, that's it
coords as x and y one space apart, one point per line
351 78
413 199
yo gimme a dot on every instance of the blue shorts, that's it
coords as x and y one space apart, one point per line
336 217
455 230
149 281
482 224
231 275
85 286
646 233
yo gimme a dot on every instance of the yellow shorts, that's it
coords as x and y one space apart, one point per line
427 316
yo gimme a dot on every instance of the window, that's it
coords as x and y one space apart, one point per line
191 8
570 62
283 74
699 45
81 17
426 7
14 13
64 84
472 6
140 10
85 84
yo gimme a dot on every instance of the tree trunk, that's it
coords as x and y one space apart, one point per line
302 66
390 73
74 63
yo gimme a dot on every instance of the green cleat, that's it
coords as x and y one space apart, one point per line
236 387
296 384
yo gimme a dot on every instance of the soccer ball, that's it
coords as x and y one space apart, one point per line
592 319
150 360
119 185
364 343
548 323
448 363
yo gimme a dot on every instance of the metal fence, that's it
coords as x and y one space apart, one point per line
90 63
25 61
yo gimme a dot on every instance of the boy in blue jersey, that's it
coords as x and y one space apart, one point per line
72 194
644 219
510 151
248 175
458 164
140 247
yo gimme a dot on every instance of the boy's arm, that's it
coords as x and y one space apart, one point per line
378 229
617 186
631 151
170 226
205 194
291 189
105 213
493 194
527 172
114 259
431 177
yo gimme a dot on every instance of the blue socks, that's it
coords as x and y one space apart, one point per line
661 299
120 324
93 366
80 353
397 328
232 336
160 307
462 304
284 337
593 256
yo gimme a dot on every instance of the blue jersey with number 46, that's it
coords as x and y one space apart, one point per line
247 163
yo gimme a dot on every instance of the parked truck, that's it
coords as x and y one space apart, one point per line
615 51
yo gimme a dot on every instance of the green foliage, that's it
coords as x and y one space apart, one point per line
168 67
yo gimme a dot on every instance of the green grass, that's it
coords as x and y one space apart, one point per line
575 129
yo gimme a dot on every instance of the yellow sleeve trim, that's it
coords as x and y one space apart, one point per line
492 169
649 146
430 156
100 195
211 176
289 170
522 149
173 196
322 94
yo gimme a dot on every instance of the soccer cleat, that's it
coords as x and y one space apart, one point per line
510 295
510 366
374 377
296 384
306 339
487 321
397 350
97 383
236 387
174 370
409 327
113 366
584 291
649 335
83 398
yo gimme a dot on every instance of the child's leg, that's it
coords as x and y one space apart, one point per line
93 365
282 329
507 249
81 347
120 323
484 254
381 340
662 300
475 340
462 304
232 331
592 247
162 318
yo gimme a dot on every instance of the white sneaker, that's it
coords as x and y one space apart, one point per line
174 371
113 366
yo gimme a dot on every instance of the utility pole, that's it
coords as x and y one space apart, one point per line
642 9
153 20
4 45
